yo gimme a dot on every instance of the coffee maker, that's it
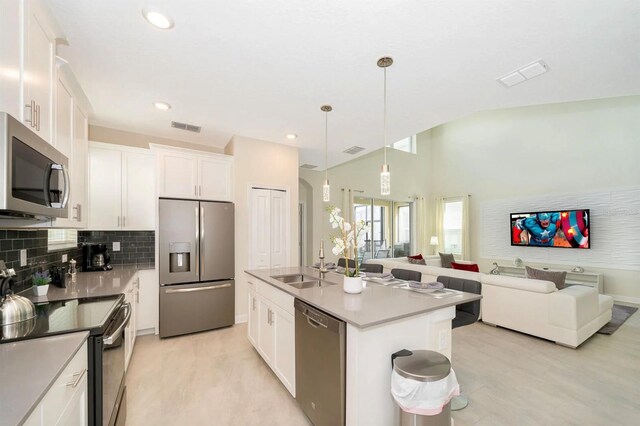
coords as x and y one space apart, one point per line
95 257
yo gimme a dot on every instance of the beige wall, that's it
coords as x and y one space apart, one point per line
568 148
122 137
263 164
410 177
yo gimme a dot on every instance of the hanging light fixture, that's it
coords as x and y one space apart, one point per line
385 175
326 189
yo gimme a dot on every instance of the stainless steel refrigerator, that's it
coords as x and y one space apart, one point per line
196 259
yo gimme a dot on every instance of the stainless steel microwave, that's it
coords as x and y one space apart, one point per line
34 182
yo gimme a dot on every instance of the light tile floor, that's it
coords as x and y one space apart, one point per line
217 378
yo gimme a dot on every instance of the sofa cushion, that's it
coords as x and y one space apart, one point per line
536 286
416 261
415 256
473 267
558 278
446 259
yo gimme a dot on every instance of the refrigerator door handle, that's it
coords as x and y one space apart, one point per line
202 244
197 259
190 290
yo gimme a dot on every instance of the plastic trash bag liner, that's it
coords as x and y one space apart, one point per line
425 398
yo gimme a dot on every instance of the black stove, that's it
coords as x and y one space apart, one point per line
65 316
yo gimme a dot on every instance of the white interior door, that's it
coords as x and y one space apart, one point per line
279 229
260 254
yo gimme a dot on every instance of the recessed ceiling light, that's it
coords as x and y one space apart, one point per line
162 106
290 136
158 19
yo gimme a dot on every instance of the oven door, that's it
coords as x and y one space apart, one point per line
36 179
113 365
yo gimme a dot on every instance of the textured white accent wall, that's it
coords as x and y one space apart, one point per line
614 232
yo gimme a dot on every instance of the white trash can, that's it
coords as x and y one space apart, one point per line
422 384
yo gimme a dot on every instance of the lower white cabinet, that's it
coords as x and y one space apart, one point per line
147 302
66 402
131 296
271 330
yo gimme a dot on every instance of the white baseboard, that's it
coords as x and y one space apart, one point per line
241 318
625 299
146 331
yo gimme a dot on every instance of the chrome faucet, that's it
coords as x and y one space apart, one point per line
323 269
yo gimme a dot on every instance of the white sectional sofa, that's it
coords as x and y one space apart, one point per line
568 316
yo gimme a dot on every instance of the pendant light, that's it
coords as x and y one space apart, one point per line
326 189
385 175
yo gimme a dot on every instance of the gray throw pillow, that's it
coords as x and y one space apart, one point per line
446 259
416 261
557 278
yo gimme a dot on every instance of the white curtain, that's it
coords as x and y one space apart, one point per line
466 232
422 227
439 224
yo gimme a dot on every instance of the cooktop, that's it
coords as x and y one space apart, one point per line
92 314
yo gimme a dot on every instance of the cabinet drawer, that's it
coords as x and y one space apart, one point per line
63 389
279 297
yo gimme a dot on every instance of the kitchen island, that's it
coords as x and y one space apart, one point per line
379 321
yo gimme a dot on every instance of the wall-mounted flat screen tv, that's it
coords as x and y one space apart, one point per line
565 229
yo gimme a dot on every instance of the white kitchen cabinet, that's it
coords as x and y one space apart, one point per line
121 188
131 296
39 69
66 401
194 175
71 138
147 306
253 320
271 330
266 333
10 52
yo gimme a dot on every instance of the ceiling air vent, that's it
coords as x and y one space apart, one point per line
308 166
524 73
185 126
353 150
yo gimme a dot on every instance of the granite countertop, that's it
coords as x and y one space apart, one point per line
29 368
90 284
376 304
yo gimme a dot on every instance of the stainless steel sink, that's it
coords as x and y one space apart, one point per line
300 281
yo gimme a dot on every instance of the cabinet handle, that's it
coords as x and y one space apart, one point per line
195 190
124 221
38 117
78 209
118 221
32 109
199 189
253 303
77 378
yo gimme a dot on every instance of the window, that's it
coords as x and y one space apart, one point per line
62 239
452 225
391 229
406 145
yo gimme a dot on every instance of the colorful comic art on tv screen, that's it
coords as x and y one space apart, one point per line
567 228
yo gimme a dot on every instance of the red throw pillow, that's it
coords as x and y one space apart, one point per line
417 256
473 267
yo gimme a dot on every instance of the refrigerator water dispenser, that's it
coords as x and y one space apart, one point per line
179 257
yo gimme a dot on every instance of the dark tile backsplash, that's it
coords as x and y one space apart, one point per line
136 248
35 241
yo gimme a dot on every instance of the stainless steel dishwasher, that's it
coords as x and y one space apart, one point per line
320 365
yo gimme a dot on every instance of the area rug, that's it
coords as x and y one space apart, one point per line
619 314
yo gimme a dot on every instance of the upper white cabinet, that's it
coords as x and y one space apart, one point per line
71 130
37 77
121 188
194 175
28 35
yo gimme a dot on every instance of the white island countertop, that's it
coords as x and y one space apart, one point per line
377 304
